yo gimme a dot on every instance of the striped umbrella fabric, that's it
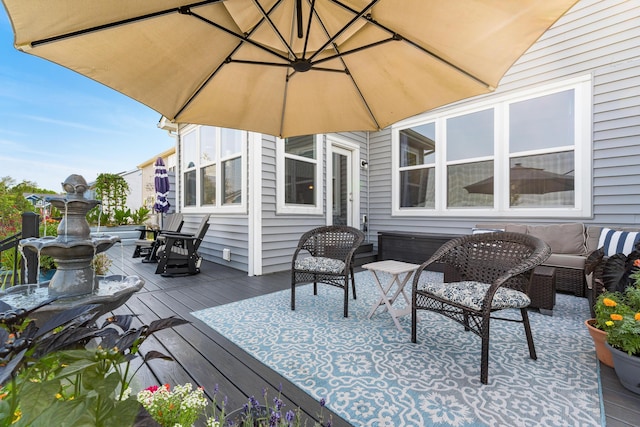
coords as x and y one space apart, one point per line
161 182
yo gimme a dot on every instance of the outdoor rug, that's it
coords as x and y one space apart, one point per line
372 375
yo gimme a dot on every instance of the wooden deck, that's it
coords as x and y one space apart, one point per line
204 357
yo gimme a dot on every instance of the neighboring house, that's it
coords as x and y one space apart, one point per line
569 106
134 181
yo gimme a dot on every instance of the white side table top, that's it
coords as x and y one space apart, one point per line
391 266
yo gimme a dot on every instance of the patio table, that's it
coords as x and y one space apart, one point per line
387 296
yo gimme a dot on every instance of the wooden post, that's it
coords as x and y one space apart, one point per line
30 228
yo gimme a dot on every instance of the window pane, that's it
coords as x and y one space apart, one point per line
300 186
231 142
544 122
545 180
417 188
232 182
190 188
470 185
303 146
417 145
208 185
189 150
207 144
470 136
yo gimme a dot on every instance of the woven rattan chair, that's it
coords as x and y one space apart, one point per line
495 271
325 255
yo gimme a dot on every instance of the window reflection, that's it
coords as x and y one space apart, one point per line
545 180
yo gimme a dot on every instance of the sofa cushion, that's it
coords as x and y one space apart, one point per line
617 242
566 261
562 238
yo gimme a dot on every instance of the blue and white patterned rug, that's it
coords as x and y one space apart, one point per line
372 375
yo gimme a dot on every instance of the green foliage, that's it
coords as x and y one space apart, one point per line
121 216
13 204
141 215
7 262
70 369
111 190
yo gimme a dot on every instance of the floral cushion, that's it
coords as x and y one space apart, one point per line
471 294
320 265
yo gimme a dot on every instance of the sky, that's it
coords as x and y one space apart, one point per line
55 122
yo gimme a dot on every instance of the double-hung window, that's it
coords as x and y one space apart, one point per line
520 155
214 165
299 175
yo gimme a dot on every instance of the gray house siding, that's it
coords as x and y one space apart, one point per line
281 232
599 38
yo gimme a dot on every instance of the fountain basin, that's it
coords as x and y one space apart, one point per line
112 292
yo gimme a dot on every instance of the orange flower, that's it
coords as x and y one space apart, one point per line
609 302
615 316
637 317
636 263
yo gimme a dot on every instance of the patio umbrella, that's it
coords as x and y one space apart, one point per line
161 183
287 67
524 180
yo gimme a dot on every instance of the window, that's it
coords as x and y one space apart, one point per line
213 165
299 175
519 155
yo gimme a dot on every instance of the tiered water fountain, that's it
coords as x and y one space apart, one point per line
75 282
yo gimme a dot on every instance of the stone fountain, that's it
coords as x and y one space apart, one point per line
74 282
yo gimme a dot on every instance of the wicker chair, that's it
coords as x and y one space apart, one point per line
495 270
325 255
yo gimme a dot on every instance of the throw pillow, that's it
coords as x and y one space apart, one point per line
617 242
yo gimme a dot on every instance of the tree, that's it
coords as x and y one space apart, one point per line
111 190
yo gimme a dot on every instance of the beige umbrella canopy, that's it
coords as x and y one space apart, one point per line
286 67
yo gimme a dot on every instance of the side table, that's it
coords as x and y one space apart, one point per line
395 269
542 290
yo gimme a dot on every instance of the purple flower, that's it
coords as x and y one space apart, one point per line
290 416
322 402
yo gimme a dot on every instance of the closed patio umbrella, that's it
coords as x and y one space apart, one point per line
161 184
287 67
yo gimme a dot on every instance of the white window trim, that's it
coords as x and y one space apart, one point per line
240 208
281 206
582 149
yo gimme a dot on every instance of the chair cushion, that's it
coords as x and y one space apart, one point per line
471 294
320 265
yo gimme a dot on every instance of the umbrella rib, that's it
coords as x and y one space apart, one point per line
306 39
266 17
119 23
369 18
243 38
346 70
331 40
358 49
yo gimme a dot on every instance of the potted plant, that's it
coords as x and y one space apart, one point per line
610 275
47 267
101 264
618 315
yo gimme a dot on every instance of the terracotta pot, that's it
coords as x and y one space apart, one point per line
627 369
600 340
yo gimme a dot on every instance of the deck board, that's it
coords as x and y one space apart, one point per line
204 357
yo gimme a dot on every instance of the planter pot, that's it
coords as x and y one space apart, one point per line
627 369
600 340
47 274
